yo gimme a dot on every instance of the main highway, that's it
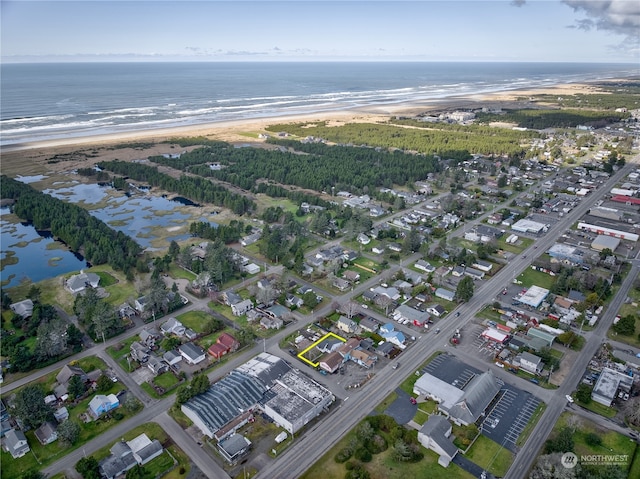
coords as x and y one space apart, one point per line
314 443
307 450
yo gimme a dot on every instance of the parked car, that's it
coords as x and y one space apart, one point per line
413 400
569 398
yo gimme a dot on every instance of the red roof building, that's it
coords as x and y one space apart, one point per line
224 344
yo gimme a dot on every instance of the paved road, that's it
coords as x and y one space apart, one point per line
298 458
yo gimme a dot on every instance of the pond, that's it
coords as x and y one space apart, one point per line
142 217
152 221
31 254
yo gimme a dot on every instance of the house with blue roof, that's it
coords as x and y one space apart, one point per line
386 328
396 338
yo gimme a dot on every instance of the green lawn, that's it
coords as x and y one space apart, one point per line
421 417
383 466
533 420
598 408
612 442
491 456
530 277
177 272
166 380
122 348
195 320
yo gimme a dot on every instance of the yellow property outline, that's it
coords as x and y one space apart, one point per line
313 345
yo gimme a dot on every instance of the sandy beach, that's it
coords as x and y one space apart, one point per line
34 158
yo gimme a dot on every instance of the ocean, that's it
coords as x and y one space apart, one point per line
54 101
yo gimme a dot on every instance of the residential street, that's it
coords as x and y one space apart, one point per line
357 403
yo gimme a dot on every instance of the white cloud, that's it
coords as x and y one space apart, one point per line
617 16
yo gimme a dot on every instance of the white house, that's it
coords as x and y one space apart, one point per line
173 326
445 294
437 310
424 266
192 353
530 362
15 443
242 307
434 435
363 239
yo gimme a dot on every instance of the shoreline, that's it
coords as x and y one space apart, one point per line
372 113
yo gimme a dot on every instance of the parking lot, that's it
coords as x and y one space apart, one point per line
507 415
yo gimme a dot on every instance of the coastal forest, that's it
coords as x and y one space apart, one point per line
193 187
314 166
441 139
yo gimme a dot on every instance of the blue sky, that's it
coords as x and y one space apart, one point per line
451 30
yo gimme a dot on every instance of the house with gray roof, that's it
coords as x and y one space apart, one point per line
139 352
172 326
46 433
67 371
425 266
369 324
172 357
156 365
15 443
192 353
80 282
435 435
234 447
126 455
241 307
24 308
445 294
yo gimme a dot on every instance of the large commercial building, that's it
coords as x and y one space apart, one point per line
601 230
462 405
609 384
266 383
534 296
529 226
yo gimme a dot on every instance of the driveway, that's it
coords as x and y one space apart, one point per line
142 375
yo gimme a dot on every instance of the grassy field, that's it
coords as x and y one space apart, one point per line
598 408
383 466
195 320
491 456
177 272
611 442
626 309
529 277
